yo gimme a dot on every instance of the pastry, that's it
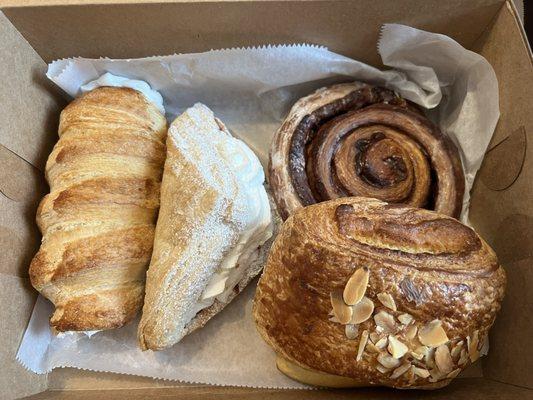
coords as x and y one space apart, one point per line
211 231
358 292
354 139
99 218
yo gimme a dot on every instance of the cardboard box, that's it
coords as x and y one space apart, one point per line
34 33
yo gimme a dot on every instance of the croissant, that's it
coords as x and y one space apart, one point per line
358 292
212 231
99 218
354 139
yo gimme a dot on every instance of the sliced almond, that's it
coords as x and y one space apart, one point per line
473 343
411 331
341 311
387 300
436 375
382 369
351 331
433 334
381 343
372 347
410 375
454 373
356 286
334 319
374 337
443 359
456 350
429 358
464 357
396 348
421 372
419 353
388 361
362 344
385 321
402 369
362 311
405 318
484 347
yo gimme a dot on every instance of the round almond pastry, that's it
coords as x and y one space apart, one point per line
358 292
354 139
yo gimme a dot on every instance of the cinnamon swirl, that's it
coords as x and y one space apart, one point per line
355 139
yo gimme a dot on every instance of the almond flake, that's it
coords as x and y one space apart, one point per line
382 369
381 343
433 334
402 369
374 337
405 319
341 311
456 350
387 300
419 353
429 358
334 319
385 321
436 375
443 359
356 286
362 344
372 347
362 311
454 373
351 331
473 343
410 375
411 331
421 372
464 357
388 361
396 348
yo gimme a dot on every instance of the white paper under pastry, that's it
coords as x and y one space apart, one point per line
252 90
108 79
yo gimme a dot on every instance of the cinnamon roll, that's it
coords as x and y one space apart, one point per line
355 139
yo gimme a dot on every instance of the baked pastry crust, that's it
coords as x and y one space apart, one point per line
438 273
98 220
354 139
199 224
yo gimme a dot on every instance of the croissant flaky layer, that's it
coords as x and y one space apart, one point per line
378 293
98 220
355 139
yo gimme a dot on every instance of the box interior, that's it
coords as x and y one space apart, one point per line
34 34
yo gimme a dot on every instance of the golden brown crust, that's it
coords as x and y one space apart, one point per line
433 267
98 220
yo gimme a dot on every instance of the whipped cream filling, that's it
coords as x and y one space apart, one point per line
257 229
109 79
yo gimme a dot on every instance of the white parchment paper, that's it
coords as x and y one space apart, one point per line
251 90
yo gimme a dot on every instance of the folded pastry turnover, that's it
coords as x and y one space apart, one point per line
213 223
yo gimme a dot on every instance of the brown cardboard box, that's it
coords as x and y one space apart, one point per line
36 32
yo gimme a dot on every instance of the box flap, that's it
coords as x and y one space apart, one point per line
502 200
27 132
130 30
463 389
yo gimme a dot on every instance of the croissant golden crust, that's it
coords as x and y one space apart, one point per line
99 219
426 271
